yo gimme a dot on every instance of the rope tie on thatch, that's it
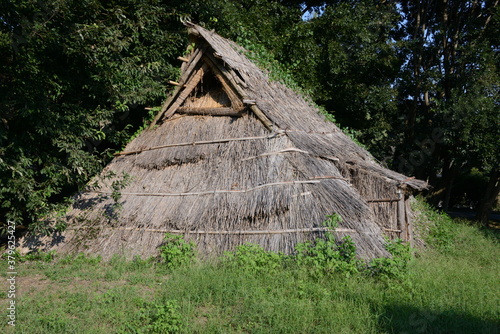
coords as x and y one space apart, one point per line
316 179
201 142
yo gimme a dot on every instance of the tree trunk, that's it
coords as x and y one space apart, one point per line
442 192
490 196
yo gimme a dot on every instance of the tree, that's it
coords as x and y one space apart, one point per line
74 79
448 90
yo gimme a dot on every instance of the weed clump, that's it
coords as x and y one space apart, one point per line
177 252
254 259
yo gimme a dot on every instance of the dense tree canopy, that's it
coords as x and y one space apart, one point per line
416 82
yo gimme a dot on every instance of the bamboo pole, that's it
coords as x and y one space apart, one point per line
313 180
286 150
174 83
391 230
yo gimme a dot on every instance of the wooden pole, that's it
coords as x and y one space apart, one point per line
408 222
201 142
193 82
193 61
211 111
401 215
222 70
298 230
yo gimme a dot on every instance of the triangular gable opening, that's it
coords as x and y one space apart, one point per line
208 94
211 96
201 68
202 90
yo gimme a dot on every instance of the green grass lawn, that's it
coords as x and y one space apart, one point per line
451 288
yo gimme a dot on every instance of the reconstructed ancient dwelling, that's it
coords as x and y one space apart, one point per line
234 157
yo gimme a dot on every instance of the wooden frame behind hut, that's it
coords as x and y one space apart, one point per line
232 158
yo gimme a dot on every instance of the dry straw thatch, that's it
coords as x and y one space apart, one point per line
232 158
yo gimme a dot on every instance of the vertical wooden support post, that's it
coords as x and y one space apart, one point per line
408 221
401 215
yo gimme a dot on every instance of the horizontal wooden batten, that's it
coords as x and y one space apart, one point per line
222 111
392 230
237 232
313 180
201 142
382 200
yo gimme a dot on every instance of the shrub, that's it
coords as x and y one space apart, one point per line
253 258
176 251
325 256
164 318
397 265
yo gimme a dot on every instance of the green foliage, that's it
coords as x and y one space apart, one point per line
395 266
74 80
81 259
177 252
160 318
33 256
325 256
436 228
117 185
146 121
254 259
117 182
454 291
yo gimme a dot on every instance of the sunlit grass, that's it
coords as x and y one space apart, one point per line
452 290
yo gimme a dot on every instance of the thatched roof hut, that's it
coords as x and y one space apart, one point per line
232 158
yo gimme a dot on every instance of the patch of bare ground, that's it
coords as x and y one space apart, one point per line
38 283
25 285
203 313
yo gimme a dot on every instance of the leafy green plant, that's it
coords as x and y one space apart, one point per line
81 258
395 266
177 252
164 318
146 121
118 183
253 258
31 256
326 256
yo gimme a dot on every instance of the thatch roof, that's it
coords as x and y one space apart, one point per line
234 157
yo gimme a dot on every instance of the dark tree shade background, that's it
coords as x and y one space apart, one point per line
417 82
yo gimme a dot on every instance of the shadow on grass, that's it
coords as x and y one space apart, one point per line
406 319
